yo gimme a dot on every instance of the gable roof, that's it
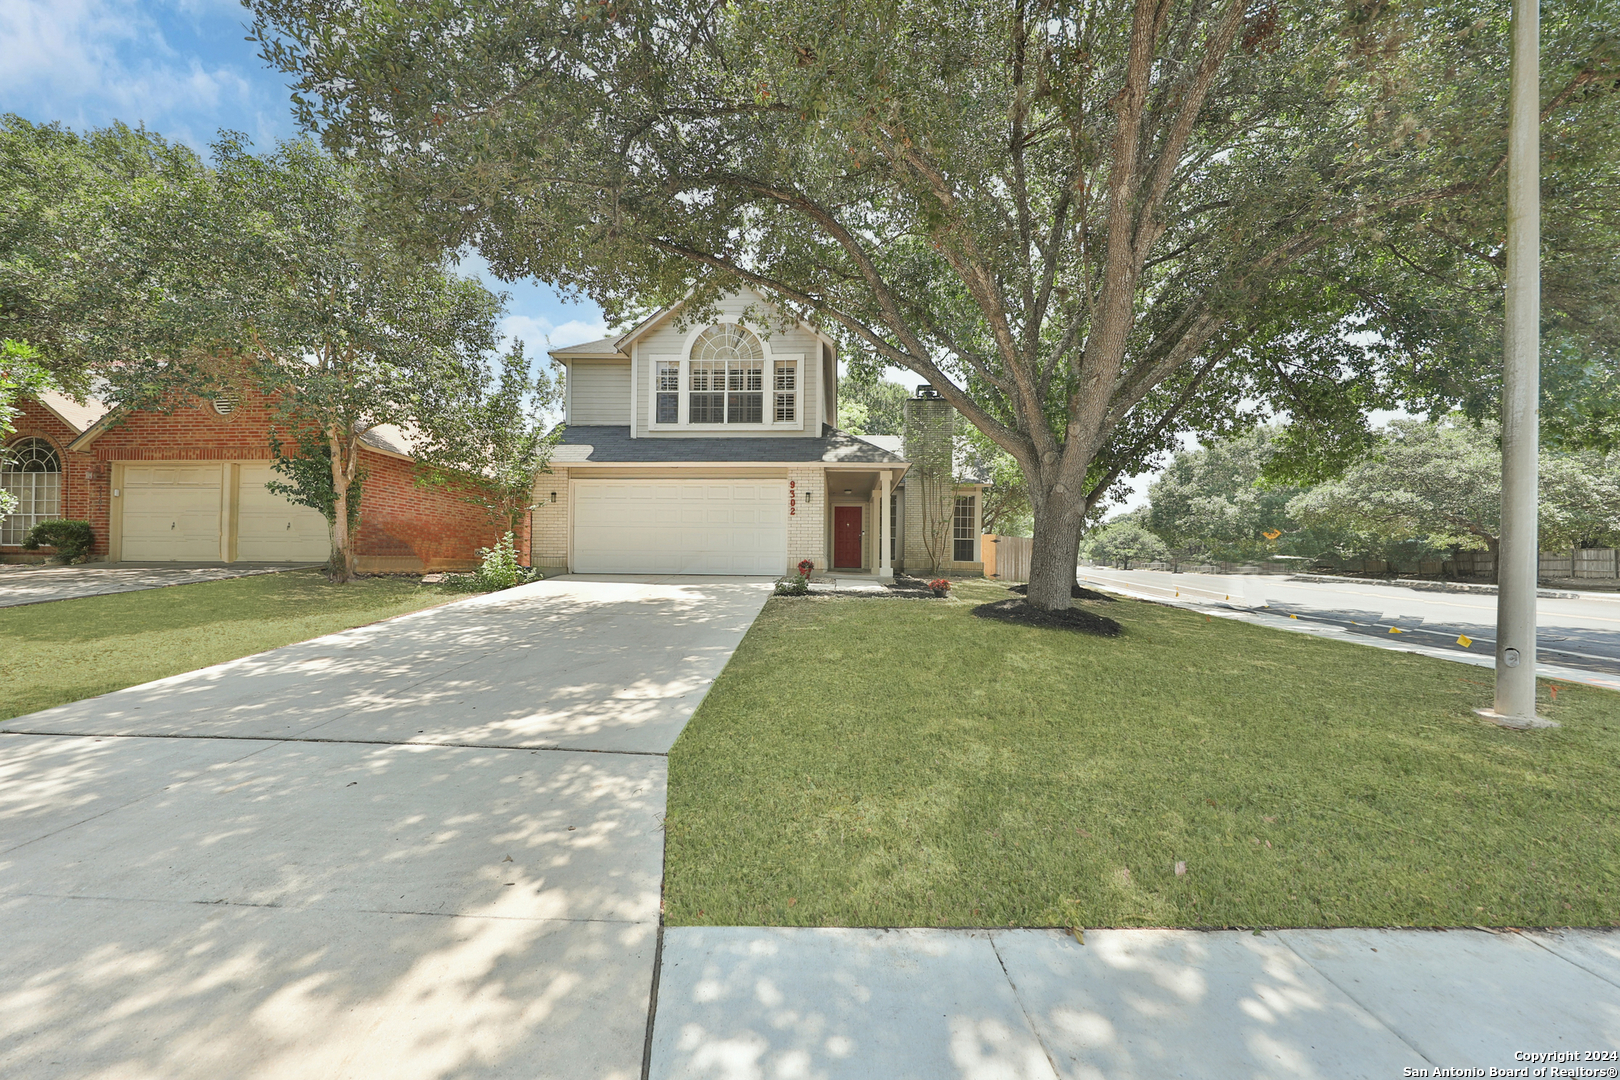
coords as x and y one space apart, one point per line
79 417
606 444
608 347
617 347
893 444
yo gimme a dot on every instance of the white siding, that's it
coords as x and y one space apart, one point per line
668 339
598 393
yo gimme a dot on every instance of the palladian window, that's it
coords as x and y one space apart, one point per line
727 377
30 471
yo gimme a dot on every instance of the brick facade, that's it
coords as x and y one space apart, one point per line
550 543
807 525
403 526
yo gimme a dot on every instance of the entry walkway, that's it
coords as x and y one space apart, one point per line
36 584
427 848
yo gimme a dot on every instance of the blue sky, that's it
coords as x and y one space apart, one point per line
185 70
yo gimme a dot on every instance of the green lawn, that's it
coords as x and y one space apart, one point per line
73 649
899 763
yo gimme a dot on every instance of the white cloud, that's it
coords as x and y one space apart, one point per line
87 62
540 334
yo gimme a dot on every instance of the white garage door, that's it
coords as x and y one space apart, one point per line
271 529
680 527
172 512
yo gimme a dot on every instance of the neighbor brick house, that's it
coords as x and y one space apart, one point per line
189 486
710 448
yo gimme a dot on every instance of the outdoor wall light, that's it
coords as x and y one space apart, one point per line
553 496
849 491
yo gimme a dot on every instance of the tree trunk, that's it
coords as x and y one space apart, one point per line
341 565
1058 521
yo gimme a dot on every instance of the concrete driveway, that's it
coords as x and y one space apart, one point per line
426 848
37 584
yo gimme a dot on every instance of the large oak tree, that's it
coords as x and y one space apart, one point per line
1089 224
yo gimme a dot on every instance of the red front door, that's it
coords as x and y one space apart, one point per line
847 537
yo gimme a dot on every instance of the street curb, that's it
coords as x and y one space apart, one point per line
1429 586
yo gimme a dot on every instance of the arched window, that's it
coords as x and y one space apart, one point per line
728 377
31 472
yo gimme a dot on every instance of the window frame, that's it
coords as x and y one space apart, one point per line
970 537
27 511
653 362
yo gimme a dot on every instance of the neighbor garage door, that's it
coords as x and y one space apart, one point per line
271 529
680 527
172 513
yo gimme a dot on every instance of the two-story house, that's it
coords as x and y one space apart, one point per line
711 449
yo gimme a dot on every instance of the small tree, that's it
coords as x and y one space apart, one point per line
308 472
490 441
1006 510
1124 539
930 442
285 281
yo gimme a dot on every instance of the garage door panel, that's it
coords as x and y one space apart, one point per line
171 513
679 527
270 528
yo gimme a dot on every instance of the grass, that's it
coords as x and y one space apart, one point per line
899 763
69 650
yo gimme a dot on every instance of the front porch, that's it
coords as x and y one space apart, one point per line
860 526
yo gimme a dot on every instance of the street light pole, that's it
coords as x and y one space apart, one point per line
1518 555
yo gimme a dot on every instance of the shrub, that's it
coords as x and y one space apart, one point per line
71 539
500 568
792 585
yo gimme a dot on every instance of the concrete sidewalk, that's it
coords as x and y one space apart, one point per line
36 584
833 1004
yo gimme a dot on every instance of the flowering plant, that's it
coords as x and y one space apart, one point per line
805 566
940 586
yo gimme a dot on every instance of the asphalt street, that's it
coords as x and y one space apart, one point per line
1579 634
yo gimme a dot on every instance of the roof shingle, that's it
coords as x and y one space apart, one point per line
590 443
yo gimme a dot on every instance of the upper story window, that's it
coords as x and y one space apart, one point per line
669 391
727 377
31 472
783 386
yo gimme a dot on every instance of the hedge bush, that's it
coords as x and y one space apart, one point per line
71 539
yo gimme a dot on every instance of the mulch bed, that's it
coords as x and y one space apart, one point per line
1017 611
1076 591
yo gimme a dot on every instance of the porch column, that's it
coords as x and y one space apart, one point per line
885 527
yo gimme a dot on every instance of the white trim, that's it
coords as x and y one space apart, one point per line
635 333
683 409
635 352
885 528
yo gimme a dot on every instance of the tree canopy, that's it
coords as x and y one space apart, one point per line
870 406
1088 225
1441 483
88 227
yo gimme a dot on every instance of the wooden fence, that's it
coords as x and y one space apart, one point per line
1011 557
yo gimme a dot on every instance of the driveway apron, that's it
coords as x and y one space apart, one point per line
426 848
